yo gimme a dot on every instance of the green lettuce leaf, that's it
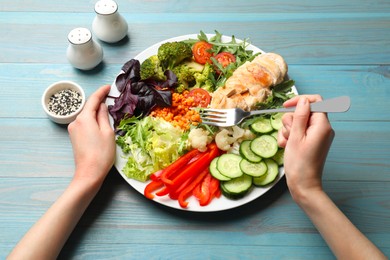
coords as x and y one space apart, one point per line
151 143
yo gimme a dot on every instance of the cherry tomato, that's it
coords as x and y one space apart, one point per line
201 97
225 58
201 51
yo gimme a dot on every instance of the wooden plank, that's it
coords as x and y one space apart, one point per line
366 85
134 6
35 148
22 97
301 38
121 216
158 251
349 158
141 251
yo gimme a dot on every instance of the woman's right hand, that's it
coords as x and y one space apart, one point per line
307 138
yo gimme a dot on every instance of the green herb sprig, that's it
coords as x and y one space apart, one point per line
238 49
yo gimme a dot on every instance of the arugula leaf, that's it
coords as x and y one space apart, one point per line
202 36
280 93
238 49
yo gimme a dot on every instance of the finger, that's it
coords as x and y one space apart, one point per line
287 120
96 98
300 118
285 132
293 101
102 117
282 141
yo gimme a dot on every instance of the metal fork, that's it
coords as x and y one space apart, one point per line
234 116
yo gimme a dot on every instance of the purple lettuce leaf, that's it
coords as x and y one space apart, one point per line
131 73
138 97
124 105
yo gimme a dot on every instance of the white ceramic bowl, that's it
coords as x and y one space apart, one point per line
55 88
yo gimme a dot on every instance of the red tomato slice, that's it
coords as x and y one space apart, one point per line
202 52
225 58
201 97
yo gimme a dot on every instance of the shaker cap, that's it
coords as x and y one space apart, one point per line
106 7
79 36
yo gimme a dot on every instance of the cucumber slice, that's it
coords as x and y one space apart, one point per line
264 146
274 134
261 126
253 169
247 153
237 187
276 121
215 172
228 164
270 176
279 157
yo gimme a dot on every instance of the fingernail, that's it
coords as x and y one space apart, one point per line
302 101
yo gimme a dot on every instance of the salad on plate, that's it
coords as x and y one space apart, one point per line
164 150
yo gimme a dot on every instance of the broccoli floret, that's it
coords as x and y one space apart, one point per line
205 78
151 69
185 76
208 85
185 73
172 54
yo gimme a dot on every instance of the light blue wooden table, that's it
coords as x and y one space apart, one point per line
332 47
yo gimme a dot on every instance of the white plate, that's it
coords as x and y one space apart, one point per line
220 204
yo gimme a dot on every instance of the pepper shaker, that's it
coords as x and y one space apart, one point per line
83 52
108 25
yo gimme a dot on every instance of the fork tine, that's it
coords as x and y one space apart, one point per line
212 123
214 110
215 123
211 119
216 117
212 115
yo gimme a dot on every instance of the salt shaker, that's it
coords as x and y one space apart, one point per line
108 25
83 52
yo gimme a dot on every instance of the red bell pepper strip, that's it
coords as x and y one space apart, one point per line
195 167
215 190
189 189
174 172
152 186
156 175
174 194
197 191
177 165
207 190
167 189
202 192
164 191
218 194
